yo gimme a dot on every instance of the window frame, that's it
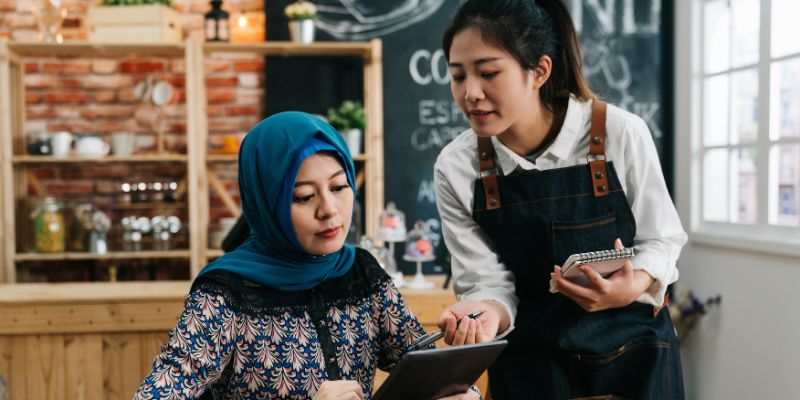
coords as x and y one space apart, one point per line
689 103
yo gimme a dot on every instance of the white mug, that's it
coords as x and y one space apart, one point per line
61 142
122 143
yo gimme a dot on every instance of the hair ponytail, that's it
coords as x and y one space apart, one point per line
528 30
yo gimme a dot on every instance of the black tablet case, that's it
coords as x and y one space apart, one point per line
436 373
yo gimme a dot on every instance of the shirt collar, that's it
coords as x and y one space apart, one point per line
575 122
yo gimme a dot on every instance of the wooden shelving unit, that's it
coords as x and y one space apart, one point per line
157 158
199 178
114 255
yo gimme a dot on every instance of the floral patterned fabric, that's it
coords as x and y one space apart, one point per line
237 340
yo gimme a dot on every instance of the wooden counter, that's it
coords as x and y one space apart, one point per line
98 340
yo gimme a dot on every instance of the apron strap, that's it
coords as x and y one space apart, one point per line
488 173
597 149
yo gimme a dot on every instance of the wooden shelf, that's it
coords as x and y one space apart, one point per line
28 49
228 158
16 176
149 205
287 49
222 158
144 158
114 255
214 253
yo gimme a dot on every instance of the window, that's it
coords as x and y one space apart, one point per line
748 124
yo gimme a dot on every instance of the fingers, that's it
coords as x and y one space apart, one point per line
449 331
461 333
471 330
595 279
339 390
618 244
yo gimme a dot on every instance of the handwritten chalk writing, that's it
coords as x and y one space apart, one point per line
425 193
434 227
440 112
424 138
604 13
425 67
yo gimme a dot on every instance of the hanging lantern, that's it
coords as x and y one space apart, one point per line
216 24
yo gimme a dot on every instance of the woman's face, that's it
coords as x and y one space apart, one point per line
322 204
490 86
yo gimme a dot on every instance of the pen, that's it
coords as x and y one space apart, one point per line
431 337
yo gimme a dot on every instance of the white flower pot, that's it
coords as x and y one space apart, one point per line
353 139
302 30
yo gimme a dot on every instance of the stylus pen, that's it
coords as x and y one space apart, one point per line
429 338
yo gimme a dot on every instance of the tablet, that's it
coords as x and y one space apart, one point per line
437 373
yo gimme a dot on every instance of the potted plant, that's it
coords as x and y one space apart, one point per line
349 119
134 21
301 16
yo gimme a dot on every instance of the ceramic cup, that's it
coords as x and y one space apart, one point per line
164 94
122 143
61 143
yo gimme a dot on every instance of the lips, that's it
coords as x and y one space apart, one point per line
330 233
480 115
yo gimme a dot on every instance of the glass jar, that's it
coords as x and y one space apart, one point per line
79 228
392 224
419 244
48 226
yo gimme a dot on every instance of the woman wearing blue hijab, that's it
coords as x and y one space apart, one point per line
293 313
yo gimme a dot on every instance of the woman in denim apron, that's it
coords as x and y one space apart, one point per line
548 170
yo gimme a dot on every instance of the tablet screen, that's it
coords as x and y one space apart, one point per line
436 373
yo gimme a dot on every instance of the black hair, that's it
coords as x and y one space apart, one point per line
528 30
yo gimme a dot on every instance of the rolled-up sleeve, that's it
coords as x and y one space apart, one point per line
659 234
477 272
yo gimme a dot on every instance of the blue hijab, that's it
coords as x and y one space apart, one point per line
269 158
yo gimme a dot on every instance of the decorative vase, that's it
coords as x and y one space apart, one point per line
302 30
353 139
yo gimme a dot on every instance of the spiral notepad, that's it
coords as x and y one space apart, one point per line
605 262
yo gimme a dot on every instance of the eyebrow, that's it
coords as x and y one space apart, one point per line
301 183
477 62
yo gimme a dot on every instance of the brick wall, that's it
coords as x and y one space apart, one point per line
96 96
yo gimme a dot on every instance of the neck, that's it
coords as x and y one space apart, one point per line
535 133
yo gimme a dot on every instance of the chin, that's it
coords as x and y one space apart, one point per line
321 249
486 131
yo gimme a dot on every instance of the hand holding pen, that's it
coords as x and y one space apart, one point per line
484 329
431 337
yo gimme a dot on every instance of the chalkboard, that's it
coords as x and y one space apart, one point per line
625 47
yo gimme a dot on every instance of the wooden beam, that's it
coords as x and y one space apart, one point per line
219 188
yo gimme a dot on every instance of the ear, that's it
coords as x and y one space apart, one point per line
542 71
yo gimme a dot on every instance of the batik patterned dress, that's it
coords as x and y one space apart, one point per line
239 340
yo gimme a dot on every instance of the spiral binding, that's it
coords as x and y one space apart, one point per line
603 255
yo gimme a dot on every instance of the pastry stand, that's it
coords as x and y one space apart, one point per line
419 281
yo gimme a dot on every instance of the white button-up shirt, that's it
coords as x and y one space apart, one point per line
477 272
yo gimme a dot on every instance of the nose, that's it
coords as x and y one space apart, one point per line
327 206
473 90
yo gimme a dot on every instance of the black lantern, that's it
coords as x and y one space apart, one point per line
217 23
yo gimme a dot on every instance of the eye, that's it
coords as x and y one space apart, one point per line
302 199
458 78
489 75
339 188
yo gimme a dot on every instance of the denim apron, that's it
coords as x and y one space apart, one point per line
535 220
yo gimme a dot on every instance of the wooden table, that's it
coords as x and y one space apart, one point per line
98 340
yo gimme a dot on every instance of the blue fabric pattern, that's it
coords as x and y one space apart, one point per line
277 355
